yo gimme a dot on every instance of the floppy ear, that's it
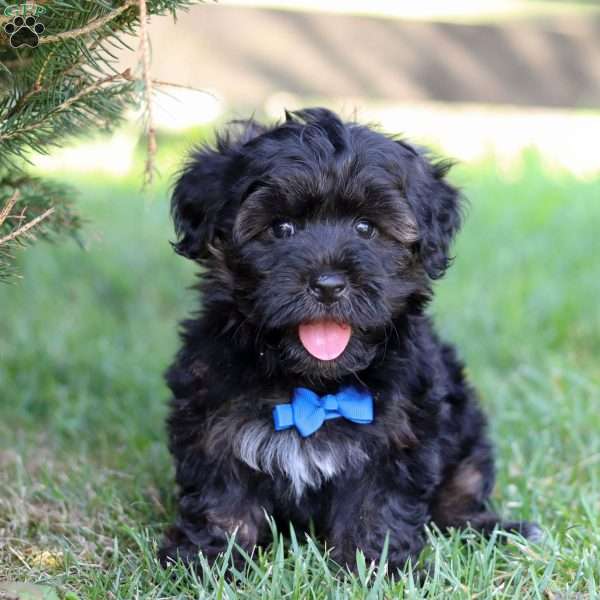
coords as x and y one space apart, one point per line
203 203
197 200
436 206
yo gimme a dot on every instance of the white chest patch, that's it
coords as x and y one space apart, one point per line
304 461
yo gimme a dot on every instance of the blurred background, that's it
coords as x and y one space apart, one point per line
474 78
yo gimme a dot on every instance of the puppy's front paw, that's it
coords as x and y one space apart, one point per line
209 537
531 531
177 546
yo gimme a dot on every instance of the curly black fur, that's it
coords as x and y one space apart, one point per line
426 457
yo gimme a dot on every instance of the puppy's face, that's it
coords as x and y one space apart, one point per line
325 261
322 233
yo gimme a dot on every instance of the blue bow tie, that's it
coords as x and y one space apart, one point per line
308 411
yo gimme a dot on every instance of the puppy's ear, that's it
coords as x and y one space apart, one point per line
203 203
198 197
436 206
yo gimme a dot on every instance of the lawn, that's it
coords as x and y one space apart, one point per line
85 476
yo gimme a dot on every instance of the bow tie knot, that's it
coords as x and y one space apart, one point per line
307 411
329 402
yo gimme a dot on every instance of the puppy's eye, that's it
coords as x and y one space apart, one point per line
283 229
365 228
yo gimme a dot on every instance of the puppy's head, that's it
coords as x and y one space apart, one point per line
318 233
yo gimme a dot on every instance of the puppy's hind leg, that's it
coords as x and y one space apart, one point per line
462 497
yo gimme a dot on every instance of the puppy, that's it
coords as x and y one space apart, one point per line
312 386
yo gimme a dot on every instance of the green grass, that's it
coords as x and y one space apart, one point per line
86 334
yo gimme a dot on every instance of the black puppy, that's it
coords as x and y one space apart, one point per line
312 385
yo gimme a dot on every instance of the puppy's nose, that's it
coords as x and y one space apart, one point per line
328 287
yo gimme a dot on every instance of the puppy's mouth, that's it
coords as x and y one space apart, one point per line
324 339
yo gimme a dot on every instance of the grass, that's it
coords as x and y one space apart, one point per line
85 477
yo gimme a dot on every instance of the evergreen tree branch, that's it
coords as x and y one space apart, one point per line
63 106
8 206
92 26
150 129
64 87
35 196
182 86
42 203
23 229
35 89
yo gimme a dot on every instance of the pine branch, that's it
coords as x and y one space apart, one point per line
23 229
43 213
92 26
8 206
63 106
35 89
64 87
150 129
182 86
35 196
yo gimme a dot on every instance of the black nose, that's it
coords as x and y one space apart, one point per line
328 287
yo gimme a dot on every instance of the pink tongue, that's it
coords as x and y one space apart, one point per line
325 340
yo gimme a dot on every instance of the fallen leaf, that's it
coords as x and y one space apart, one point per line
44 559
